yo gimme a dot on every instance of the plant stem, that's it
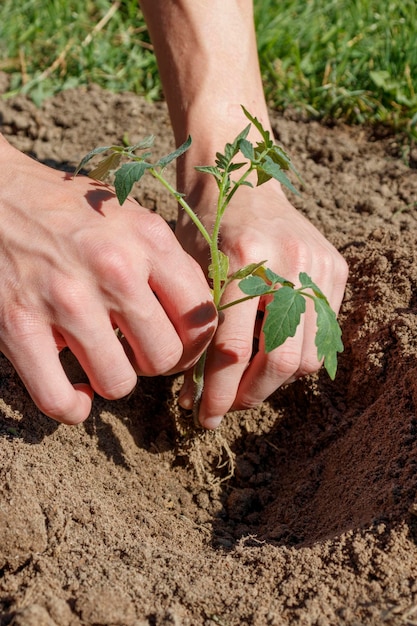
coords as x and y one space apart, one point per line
198 379
198 370
180 199
222 307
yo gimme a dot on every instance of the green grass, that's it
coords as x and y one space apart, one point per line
349 59
50 45
354 60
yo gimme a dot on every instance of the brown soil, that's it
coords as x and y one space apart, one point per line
127 521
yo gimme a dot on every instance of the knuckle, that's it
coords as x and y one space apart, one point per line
115 390
67 297
248 402
164 361
236 350
113 264
157 232
246 250
285 363
19 322
220 401
298 254
342 270
308 365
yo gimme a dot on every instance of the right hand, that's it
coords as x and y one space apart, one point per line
75 265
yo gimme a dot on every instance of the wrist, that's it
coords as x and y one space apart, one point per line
209 139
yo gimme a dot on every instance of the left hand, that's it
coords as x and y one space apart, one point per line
260 224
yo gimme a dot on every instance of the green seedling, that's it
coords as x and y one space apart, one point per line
267 160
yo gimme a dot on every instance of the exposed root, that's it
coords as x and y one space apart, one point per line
207 452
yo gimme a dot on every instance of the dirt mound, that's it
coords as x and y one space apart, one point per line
125 521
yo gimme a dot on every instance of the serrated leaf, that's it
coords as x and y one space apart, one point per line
105 166
147 142
246 271
89 156
279 156
235 166
283 318
247 149
221 161
230 151
241 136
224 267
328 336
273 170
166 160
276 279
258 125
127 176
254 286
307 283
209 169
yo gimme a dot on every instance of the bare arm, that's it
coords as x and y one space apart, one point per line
206 51
208 62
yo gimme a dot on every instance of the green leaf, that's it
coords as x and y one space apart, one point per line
221 161
89 156
273 170
307 283
166 160
230 151
247 149
235 166
105 166
147 142
254 286
279 156
127 176
246 271
284 314
328 337
276 279
241 136
263 177
209 169
264 133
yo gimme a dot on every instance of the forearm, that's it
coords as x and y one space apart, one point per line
206 51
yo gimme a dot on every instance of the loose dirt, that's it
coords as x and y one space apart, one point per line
127 521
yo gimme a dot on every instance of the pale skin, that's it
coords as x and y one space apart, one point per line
208 63
75 264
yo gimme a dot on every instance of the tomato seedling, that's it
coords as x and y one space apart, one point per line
268 160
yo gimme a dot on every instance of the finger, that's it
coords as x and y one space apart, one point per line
102 358
41 372
153 341
228 357
269 371
183 292
163 302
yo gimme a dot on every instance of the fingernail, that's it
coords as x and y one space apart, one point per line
210 422
185 399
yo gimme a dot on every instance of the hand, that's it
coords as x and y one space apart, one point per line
261 224
75 265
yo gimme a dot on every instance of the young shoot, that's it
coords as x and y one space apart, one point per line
288 301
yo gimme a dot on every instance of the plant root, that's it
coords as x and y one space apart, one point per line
206 452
